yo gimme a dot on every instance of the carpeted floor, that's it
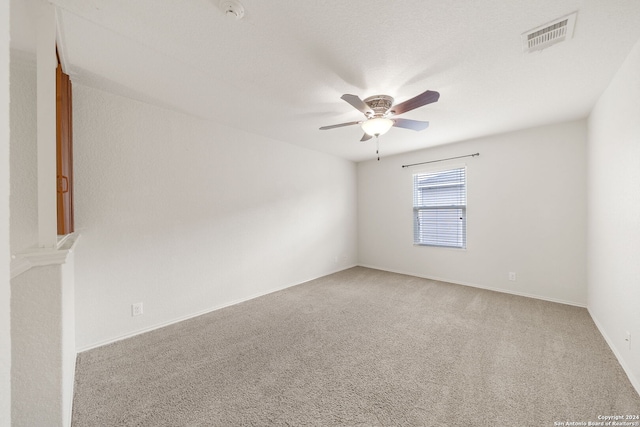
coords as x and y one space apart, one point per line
361 348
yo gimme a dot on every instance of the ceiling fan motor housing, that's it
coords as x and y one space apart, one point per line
380 104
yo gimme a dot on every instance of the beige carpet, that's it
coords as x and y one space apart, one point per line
360 348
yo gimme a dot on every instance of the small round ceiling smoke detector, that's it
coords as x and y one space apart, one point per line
232 8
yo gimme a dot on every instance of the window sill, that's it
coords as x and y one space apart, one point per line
451 248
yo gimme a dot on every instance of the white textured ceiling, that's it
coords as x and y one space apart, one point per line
281 70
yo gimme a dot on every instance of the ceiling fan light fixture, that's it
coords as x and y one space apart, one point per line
377 126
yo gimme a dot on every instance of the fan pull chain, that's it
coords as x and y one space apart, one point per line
378 146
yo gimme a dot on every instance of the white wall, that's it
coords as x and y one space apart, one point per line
5 287
614 214
36 377
67 337
23 154
525 214
186 215
42 299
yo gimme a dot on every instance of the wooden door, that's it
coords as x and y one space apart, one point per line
64 152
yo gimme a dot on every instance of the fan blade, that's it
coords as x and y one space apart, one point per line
417 101
365 137
410 124
357 103
339 126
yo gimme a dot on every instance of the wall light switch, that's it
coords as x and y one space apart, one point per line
512 276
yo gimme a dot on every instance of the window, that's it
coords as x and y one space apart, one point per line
440 208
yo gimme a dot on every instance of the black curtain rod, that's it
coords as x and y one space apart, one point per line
440 160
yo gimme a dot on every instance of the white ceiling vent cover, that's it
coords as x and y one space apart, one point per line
549 34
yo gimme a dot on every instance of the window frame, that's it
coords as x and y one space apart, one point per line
416 209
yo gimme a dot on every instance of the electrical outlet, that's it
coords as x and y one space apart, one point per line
136 309
628 340
512 276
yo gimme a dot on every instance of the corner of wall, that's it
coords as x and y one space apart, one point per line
635 381
613 235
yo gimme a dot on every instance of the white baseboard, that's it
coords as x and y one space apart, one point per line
201 312
635 382
474 285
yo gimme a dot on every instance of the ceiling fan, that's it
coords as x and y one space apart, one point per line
379 109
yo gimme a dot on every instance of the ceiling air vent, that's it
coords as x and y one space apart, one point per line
549 34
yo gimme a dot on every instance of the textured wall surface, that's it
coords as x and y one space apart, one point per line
526 214
23 154
5 288
187 215
614 212
68 336
36 347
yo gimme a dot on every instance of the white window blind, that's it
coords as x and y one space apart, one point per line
440 208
